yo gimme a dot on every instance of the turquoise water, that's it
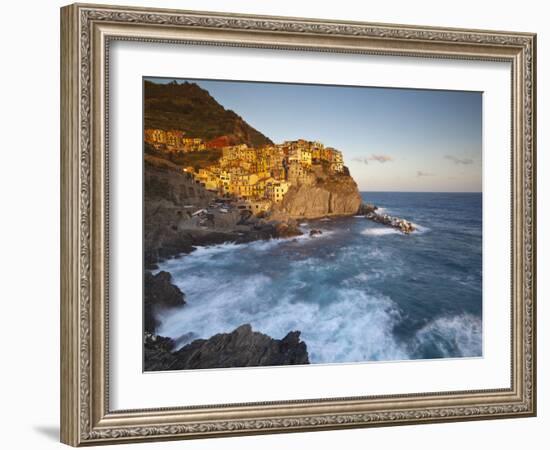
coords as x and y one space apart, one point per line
359 292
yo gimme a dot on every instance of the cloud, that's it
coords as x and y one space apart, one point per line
420 173
379 158
457 160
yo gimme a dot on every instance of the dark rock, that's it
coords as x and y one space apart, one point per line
150 323
366 208
157 352
287 229
159 292
240 348
402 225
315 232
369 211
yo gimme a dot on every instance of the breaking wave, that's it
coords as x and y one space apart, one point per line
354 327
380 231
345 323
456 336
420 229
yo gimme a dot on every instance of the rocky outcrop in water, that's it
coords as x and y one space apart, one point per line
159 293
403 225
366 208
240 348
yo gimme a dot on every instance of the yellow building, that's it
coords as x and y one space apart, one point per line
191 144
174 140
264 175
276 190
306 157
337 164
294 155
232 153
209 179
225 182
297 173
249 155
155 137
316 153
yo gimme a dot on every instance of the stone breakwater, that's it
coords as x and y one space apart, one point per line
403 225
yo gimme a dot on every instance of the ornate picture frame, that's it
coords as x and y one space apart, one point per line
87 32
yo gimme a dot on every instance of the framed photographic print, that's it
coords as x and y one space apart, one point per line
276 224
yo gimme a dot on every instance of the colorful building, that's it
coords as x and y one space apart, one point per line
275 190
260 176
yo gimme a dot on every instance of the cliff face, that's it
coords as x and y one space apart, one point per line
166 192
326 196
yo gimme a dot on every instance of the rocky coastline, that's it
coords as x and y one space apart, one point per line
180 215
243 347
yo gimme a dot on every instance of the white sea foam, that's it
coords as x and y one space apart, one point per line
420 229
379 231
456 336
207 251
386 231
364 277
355 326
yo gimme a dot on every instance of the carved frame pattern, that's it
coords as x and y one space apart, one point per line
86 418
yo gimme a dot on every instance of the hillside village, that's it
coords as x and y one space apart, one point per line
258 176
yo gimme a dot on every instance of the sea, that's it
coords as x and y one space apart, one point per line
360 292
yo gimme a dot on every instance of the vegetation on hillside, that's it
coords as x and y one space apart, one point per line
188 107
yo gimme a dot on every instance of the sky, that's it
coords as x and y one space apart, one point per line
391 139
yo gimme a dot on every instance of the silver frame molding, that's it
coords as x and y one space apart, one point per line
86 32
